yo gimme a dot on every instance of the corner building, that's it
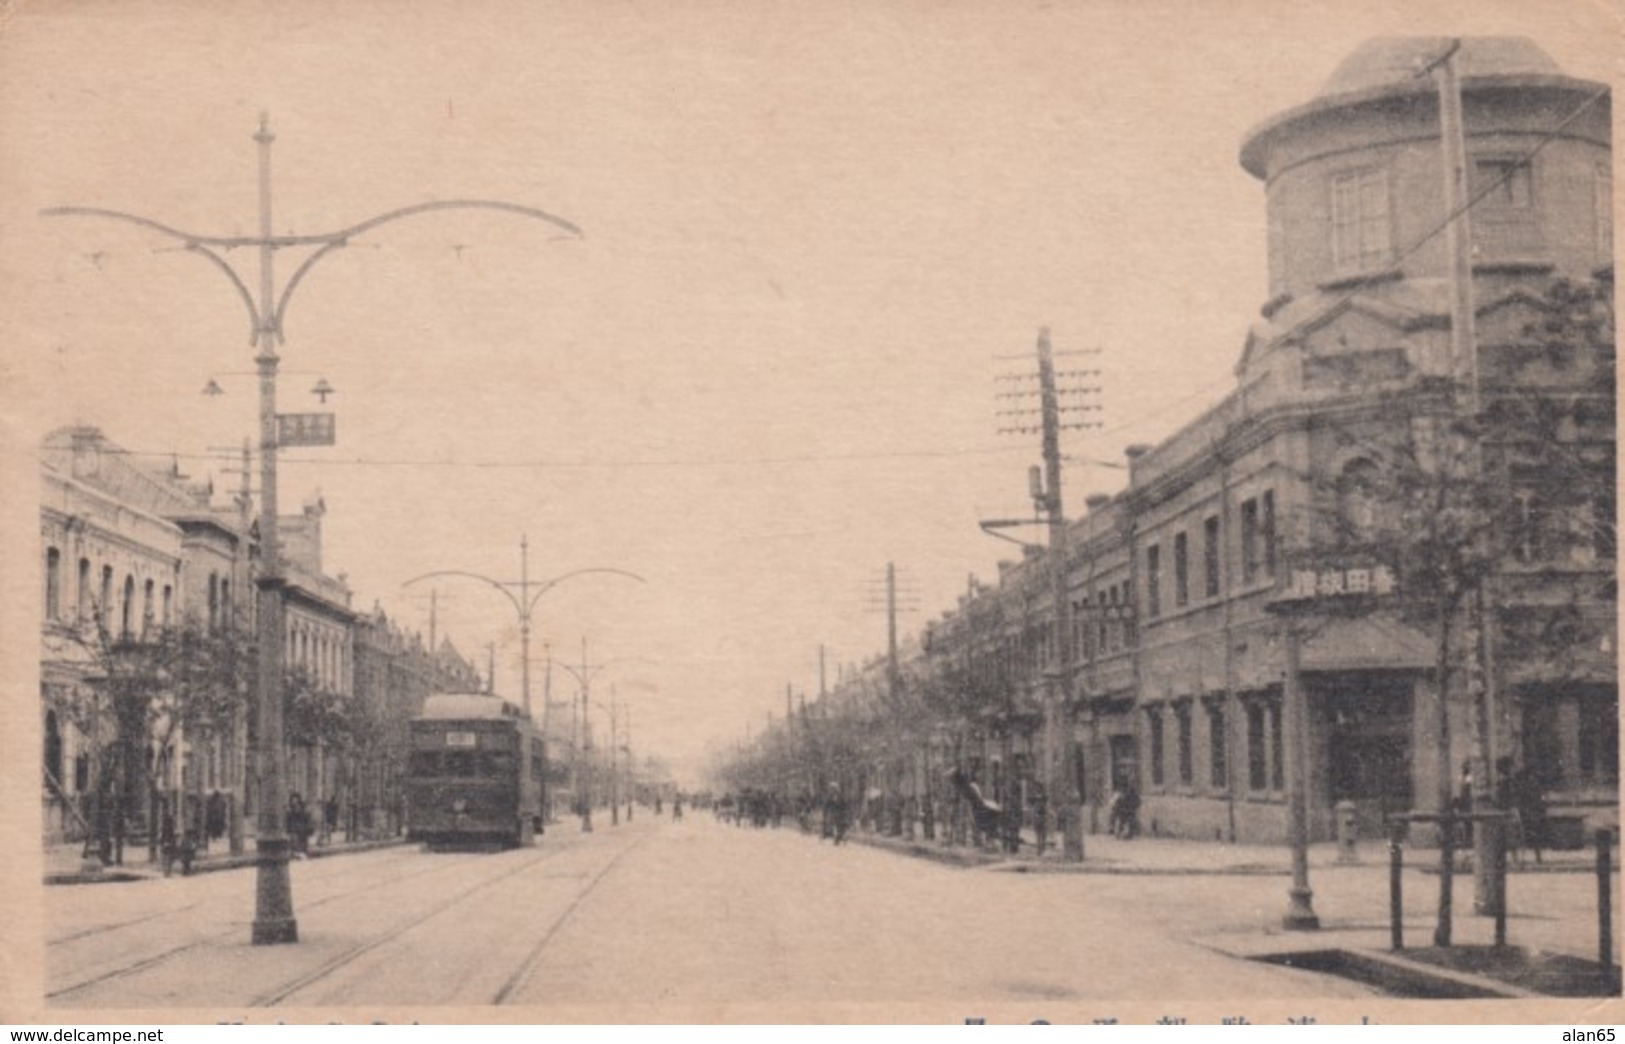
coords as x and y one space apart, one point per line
1178 659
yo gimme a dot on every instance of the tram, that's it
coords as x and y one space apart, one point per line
475 773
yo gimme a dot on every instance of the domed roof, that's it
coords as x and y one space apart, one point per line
1387 67
1387 60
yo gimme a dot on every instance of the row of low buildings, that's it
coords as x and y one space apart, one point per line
1284 495
131 551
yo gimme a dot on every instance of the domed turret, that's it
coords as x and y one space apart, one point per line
1355 189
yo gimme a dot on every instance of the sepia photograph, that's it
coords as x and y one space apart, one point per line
910 511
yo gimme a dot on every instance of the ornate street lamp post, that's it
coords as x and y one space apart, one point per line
274 920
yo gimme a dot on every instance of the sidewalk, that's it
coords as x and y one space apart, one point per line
1104 854
1552 926
65 864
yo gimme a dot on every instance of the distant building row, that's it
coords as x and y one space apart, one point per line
130 551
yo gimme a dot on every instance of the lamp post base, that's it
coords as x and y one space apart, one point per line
1300 914
1072 834
274 922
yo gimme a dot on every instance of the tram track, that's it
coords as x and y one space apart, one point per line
152 960
107 929
350 956
534 956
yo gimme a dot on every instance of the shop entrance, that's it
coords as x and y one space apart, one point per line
1367 726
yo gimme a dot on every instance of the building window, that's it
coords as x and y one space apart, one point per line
1154 720
1501 185
214 601
127 609
53 750
169 604
1210 556
1604 535
1257 750
107 594
1131 634
1182 571
146 607
1217 748
1266 526
1599 741
82 612
1277 755
1187 767
1360 222
1604 217
1153 581
53 583
1249 541
1357 502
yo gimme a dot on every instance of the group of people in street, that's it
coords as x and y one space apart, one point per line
301 824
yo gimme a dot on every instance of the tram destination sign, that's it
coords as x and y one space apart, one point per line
305 429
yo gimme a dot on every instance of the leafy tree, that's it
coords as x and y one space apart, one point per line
153 689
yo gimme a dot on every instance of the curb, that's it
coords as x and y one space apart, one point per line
121 875
1398 976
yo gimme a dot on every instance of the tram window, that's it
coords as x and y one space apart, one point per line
423 763
460 763
496 763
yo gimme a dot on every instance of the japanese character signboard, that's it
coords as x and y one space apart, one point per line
305 429
1304 584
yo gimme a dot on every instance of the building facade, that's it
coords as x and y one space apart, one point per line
1446 574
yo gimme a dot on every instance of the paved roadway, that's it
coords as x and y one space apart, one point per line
655 916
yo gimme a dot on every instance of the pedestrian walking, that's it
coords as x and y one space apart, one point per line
215 815
1040 806
299 825
835 814
166 838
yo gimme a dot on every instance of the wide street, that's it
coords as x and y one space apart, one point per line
655 916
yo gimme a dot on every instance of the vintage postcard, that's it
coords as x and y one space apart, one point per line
907 511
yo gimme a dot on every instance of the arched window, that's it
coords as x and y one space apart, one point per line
1357 502
82 606
214 601
169 605
53 748
106 602
53 583
146 607
126 620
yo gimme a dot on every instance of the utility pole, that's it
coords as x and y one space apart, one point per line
274 920
1464 368
434 637
584 676
1045 487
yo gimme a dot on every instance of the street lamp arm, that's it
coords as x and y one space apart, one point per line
583 677
550 584
473 576
331 241
424 208
136 219
236 281
293 281
198 245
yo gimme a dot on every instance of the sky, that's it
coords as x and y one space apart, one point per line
813 236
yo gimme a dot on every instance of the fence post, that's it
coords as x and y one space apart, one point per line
1396 864
1605 904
